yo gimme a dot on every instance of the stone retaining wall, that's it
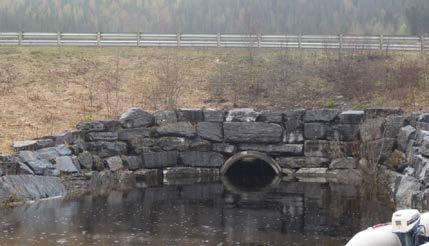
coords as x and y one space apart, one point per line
326 143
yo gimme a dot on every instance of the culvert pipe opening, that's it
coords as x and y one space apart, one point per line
249 171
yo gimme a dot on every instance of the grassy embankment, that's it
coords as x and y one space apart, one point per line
44 90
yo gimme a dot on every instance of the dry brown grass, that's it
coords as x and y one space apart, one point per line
44 90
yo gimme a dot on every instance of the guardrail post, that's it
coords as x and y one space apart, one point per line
138 38
381 42
422 44
58 38
340 40
218 38
259 40
178 37
299 41
20 38
98 38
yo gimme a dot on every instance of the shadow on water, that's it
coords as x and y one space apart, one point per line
238 210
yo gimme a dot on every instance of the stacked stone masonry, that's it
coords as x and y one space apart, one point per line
306 143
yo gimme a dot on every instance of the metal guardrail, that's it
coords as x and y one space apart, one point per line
218 40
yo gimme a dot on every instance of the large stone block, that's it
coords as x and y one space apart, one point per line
179 129
33 144
242 115
295 137
372 129
422 126
63 150
393 125
214 115
189 173
65 164
252 132
160 159
379 150
294 126
173 143
320 115
199 144
85 160
424 149
27 156
165 117
141 145
102 136
133 162
47 153
211 131
312 173
330 149
345 132
136 117
90 126
111 125
114 163
190 114
202 159
30 188
270 116
40 166
317 131
107 149
404 193
224 148
351 117
129 134
274 149
405 135
302 162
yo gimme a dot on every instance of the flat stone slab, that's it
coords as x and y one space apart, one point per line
214 115
211 131
21 188
302 162
65 164
165 117
351 117
160 159
189 172
275 149
180 129
202 159
242 115
252 132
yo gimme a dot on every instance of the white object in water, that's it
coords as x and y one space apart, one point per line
376 236
403 221
408 228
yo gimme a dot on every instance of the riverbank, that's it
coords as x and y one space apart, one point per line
50 89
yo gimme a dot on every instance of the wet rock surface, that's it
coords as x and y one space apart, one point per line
29 188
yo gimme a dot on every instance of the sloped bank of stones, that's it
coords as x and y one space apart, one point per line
310 145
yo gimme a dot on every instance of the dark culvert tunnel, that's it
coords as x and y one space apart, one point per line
250 171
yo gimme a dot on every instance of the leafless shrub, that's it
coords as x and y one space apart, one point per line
169 75
8 76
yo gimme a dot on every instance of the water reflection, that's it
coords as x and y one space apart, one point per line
287 213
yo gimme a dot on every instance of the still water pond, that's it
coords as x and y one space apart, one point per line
215 213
